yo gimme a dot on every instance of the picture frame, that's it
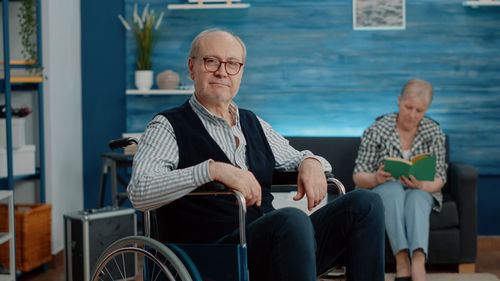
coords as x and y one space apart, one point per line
379 14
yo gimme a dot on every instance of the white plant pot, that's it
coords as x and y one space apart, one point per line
144 79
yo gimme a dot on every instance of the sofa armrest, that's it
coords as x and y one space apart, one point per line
463 188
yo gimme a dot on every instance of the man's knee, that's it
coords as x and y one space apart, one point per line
292 222
367 202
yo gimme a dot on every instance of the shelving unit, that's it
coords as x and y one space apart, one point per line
214 4
478 3
8 237
160 92
9 85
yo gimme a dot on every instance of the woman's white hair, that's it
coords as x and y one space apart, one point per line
419 88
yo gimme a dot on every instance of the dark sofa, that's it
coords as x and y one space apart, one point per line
453 231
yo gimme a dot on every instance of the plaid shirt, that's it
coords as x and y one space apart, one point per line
381 140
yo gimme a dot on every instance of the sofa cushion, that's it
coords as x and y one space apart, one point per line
448 217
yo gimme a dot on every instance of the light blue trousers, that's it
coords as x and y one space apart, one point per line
407 214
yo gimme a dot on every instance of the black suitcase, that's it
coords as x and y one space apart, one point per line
88 233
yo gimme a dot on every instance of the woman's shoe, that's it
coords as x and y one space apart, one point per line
406 278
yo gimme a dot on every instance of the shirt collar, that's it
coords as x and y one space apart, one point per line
202 112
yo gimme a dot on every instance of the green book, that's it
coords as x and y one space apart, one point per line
422 167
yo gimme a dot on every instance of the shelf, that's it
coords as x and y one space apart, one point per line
6 277
4 237
207 6
4 194
36 175
160 92
26 79
211 1
8 237
19 62
18 86
482 3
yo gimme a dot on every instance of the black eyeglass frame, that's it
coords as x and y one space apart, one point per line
204 59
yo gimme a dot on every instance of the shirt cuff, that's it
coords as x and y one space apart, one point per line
201 173
326 166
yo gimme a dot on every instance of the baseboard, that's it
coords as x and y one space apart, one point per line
57 260
488 243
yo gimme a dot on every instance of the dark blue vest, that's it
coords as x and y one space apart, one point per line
207 218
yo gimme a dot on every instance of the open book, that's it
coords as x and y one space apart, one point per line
422 167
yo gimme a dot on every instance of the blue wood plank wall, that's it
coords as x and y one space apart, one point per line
308 73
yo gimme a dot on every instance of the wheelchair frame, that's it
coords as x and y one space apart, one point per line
167 258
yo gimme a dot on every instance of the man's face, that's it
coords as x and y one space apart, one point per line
412 109
218 86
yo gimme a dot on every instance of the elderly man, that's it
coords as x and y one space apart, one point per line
209 138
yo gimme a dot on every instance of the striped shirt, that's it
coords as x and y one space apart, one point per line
156 181
381 140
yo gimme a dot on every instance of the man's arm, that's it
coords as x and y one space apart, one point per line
311 180
156 180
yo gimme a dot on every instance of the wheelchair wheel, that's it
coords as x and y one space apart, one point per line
139 258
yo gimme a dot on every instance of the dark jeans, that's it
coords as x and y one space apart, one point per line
286 244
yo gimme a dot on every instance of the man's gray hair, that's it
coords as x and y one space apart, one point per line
195 45
418 87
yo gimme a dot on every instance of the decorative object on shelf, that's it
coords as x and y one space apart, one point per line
213 4
28 32
146 33
481 3
21 111
168 79
144 79
18 126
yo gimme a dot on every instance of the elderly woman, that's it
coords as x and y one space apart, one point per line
408 202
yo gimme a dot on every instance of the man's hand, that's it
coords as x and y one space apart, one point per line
311 181
237 179
382 176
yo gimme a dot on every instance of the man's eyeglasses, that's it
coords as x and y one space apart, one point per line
213 65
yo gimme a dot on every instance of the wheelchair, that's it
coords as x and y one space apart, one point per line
146 259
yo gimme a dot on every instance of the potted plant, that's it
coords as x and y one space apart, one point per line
146 34
28 23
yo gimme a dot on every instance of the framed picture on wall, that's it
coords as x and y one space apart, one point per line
378 14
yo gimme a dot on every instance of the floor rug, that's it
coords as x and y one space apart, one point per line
454 277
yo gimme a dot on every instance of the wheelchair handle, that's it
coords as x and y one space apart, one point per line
120 143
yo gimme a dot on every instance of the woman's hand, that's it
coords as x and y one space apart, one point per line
411 182
382 176
429 186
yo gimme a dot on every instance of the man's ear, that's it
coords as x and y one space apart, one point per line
191 68
399 100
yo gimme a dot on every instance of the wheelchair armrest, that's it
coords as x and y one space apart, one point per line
212 187
121 143
282 180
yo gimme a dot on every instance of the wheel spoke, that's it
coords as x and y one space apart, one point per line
155 259
118 267
124 267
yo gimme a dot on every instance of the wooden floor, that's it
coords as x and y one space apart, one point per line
488 261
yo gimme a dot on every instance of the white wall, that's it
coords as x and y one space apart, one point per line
62 105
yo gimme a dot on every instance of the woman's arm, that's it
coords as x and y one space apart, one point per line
370 180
